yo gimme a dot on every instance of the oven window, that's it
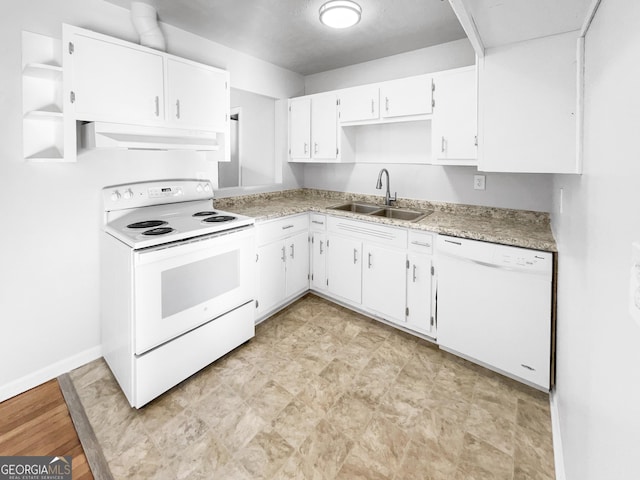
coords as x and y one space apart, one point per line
198 282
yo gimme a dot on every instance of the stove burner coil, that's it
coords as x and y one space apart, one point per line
219 218
204 214
158 231
147 224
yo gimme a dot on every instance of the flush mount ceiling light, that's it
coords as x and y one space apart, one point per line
340 13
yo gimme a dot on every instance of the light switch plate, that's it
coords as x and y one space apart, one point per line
479 182
634 283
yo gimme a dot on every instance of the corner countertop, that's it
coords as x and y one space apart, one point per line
519 228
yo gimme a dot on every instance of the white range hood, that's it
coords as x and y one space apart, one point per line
137 137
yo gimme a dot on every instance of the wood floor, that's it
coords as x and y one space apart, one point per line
37 422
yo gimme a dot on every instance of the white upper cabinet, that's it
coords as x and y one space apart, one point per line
114 82
406 97
359 103
529 118
313 130
111 80
197 95
300 128
454 129
324 129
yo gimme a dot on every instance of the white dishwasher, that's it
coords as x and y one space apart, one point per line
494 307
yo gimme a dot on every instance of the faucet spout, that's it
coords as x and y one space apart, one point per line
388 200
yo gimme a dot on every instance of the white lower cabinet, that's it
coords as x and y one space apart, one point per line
344 268
421 284
283 261
383 281
318 258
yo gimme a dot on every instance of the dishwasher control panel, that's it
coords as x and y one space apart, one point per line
495 255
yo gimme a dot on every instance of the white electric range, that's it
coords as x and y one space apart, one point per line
177 283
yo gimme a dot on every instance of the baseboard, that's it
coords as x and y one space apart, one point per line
558 454
45 374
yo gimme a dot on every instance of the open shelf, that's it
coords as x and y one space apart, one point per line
42 105
43 70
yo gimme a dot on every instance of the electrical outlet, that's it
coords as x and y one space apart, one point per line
478 182
634 283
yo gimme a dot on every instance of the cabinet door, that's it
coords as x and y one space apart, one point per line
324 127
300 127
344 268
197 96
384 281
318 261
271 276
419 293
359 103
297 251
405 97
454 126
116 83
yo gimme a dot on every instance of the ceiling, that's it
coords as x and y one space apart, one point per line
288 33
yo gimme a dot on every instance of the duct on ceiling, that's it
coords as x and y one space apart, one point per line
145 20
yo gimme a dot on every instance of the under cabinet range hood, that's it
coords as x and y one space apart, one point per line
138 137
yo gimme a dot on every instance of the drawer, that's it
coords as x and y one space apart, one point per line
369 232
318 222
421 242
272 230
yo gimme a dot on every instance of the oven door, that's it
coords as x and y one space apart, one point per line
178 287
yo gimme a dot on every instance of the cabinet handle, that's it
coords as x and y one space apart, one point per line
372 106
315 147
442 145
317 222
306 148
293 252
369 261
321 251
421 244
178 109
386 104
414 273
475 140
355 256
284 255
286 227
157 106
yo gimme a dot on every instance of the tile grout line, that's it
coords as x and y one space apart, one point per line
92 449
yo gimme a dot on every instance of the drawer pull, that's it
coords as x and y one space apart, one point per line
455 243
317 222
421 244
286 227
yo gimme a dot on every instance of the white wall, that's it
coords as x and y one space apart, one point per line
394 151
50 213
598 370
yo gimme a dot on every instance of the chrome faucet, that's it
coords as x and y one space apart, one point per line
387 197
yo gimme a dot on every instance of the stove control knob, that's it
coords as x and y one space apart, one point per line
128 194
115 196
207 187
199 188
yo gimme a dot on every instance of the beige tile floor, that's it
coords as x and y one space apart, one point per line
324 393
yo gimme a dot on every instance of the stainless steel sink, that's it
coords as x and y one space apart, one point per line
357 208
381 211
400 214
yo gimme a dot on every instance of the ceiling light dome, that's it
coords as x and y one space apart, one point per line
340 13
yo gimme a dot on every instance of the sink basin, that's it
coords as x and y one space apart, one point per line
381 211
357 208
400 214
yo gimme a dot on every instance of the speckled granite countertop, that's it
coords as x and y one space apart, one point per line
519 228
